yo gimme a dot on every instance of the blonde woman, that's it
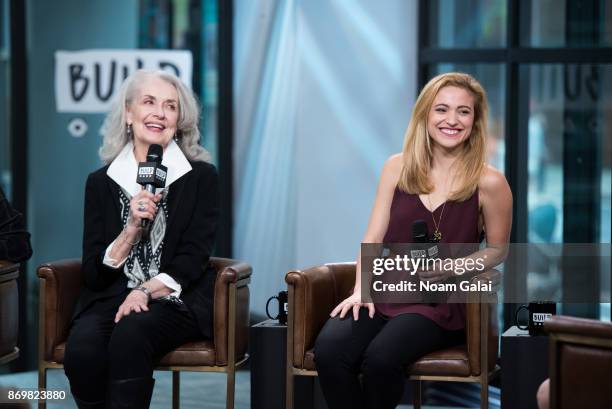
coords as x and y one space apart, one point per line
440 177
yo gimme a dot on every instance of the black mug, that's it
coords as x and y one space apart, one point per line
282 307
538 313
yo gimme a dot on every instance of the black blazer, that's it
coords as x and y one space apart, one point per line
192 221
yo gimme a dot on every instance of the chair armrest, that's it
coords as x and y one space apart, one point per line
580 362
588 330
60 284
230 271
482 333
231 305
313 293
9 311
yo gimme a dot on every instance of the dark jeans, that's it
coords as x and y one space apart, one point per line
377 348
99 351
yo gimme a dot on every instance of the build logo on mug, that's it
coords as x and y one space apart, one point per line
539 312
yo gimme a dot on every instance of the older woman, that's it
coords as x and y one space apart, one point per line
440 177
145 293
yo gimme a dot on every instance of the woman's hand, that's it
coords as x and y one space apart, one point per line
353 302
435 275
143 206
135 301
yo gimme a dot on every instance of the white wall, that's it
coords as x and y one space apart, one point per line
323 94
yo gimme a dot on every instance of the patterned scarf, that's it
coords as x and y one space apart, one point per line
144 260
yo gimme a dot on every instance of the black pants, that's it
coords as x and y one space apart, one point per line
377 348
98 351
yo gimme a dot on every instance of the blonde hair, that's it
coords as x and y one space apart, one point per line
188 133
417 151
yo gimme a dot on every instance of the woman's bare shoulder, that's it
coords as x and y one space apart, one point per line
493 187
393 167
492 180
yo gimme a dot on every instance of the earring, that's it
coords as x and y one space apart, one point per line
176 139
129 131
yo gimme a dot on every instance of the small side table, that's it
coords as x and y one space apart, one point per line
524 366
268 357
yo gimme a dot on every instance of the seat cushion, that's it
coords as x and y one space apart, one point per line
446 362
199 353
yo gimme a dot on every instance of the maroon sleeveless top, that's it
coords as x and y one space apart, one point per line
459 224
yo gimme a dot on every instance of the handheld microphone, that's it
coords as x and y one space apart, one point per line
152 174
420 235
419 231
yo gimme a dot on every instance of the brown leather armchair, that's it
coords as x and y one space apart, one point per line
9 311
61 281
580 363
314 292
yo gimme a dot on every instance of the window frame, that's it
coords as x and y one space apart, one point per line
516 58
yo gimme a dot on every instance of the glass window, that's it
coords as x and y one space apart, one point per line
155 29
209 77
545 157
561 23
491 76
190 25
606 187
604 126
569 157
5 140
467 23
559 164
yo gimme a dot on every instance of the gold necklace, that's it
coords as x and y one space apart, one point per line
437 235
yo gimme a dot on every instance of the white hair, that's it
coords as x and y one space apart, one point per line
187 134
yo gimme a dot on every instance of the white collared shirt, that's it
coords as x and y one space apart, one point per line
123 171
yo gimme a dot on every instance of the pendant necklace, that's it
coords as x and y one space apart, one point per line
437 234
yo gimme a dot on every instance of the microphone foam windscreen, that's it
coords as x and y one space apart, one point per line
419 231
155 153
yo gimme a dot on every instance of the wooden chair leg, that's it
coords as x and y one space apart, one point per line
484 392
289 389
417 390
42 384
176 389
231 386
